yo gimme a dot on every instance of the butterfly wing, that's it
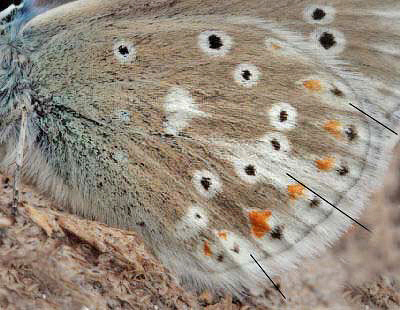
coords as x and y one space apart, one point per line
194 125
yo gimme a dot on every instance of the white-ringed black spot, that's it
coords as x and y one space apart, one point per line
342 170
123 50
215 42
246 74
250 170
351 133
277 232
192 222
337 92
318 14
220 257
283 116
236 249
314 203
327 40
275 144
206 183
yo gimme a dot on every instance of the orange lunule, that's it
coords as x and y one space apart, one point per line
295 191
258 222
314 85
223 235
334 127
325 164
207 249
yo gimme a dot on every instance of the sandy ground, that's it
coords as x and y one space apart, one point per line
52 260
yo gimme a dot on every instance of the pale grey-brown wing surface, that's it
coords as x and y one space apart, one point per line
183 121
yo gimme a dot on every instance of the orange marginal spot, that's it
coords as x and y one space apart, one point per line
313 85
275 46
207 249
334 127
325 164
295 191
223 235
258 222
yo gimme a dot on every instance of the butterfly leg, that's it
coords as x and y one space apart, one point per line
18 161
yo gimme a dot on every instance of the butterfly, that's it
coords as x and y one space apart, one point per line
229 135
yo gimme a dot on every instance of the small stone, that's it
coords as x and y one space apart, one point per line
6 221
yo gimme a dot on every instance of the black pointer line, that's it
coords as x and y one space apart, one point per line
329 203
268 276
373 119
